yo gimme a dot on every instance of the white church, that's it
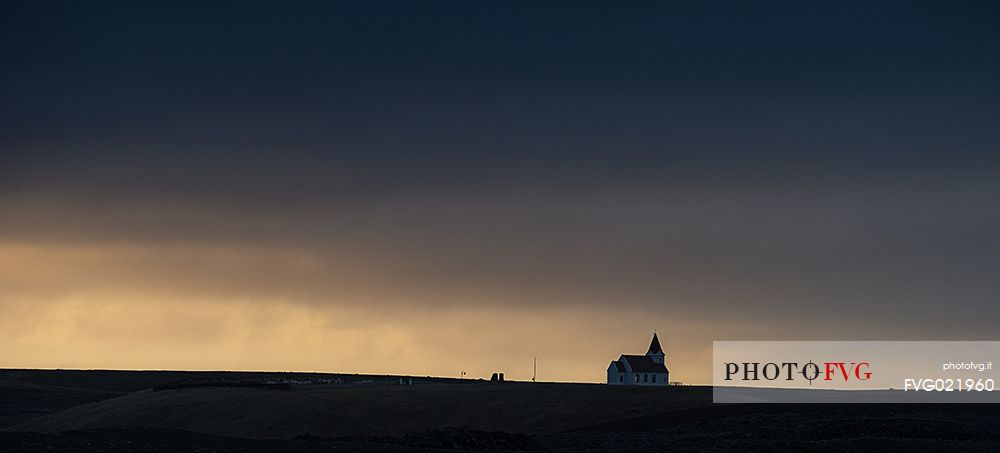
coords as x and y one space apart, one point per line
646 369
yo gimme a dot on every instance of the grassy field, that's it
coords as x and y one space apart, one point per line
120 411
370 409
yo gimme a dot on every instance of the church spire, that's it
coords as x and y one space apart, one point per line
654 346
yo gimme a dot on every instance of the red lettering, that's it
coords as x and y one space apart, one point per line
857 371
832 367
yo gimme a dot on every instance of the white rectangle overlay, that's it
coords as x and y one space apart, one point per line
855 371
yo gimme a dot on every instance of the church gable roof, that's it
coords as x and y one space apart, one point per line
643 364
618 366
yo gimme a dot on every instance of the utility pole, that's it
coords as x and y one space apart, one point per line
534 368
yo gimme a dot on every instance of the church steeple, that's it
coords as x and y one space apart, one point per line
654 346
655 352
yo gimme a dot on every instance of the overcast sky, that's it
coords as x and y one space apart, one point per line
422 188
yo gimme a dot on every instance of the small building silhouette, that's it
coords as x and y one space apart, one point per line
648 369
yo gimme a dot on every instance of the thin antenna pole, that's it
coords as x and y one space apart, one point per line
534 369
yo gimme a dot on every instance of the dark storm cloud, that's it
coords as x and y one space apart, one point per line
438 91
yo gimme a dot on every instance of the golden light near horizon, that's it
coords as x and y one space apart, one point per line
109 331
128 307
429 286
